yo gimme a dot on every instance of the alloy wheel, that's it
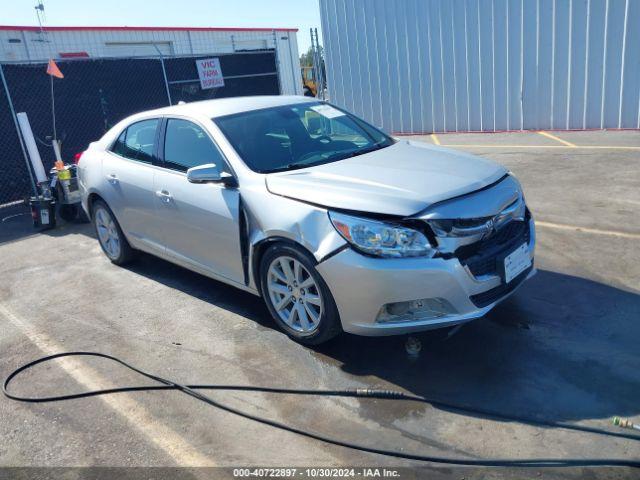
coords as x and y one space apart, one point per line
108 233
294 294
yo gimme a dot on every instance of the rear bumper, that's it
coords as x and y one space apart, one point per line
361 285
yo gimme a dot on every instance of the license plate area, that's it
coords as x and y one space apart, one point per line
515 263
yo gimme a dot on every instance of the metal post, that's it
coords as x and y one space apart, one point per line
293 66
314 59
315 64
26 45
15 122
53 111
275 46
164 73
321 79
190 42
313 54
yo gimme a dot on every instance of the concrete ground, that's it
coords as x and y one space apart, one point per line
565 347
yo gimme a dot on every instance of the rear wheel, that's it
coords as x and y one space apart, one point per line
113 242
296 295
69 213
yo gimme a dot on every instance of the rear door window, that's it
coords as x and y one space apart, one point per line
137 141
187 145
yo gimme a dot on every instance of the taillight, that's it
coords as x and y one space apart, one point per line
77 157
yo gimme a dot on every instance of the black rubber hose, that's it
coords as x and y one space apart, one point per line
358 393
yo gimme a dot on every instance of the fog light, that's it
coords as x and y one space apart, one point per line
415 310
398 308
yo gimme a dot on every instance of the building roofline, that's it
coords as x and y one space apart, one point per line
184 29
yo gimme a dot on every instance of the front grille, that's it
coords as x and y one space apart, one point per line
484 257
490 296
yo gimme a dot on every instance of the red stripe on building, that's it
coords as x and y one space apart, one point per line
161 29
74 54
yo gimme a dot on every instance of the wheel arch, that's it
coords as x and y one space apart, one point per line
91 199
260 247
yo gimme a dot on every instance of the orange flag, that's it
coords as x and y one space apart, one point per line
53 70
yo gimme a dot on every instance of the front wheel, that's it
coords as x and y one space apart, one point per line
296 295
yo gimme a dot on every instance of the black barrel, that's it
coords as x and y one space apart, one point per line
43 212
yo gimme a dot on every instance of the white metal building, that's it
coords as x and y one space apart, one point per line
27 44
485 65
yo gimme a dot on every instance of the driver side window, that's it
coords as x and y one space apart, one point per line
187 145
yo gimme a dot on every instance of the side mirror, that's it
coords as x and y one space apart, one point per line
209 173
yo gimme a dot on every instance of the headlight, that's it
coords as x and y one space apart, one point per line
381 239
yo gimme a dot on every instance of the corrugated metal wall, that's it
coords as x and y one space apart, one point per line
485 65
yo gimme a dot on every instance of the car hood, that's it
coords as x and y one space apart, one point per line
402 179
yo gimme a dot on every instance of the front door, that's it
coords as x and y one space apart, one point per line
200 222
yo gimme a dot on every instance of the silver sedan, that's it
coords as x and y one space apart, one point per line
338 226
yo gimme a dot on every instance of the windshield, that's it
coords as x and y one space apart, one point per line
298 136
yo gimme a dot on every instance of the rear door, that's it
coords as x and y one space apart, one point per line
200 221
129 178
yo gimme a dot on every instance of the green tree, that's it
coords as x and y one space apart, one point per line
306 59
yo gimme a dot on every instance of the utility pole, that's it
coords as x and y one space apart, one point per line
316 57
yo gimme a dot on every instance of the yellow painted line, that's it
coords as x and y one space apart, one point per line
163 437
575 228
583 147
435 139
553 137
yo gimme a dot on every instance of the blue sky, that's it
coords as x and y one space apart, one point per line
302 14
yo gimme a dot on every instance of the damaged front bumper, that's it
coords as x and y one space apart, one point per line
439 292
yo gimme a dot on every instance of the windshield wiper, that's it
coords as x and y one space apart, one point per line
355 153
333 156
297 166
362 151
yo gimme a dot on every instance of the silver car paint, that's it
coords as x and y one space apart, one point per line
502 199
395 280
197 220
199 227
483 203
125 188
402 179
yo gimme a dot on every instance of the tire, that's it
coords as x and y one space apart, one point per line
307 294
112 241
69 213
82 216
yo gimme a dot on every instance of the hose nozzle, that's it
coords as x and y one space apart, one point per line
625 423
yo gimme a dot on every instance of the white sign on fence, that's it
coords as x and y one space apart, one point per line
210 73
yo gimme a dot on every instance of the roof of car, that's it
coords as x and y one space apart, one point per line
228 106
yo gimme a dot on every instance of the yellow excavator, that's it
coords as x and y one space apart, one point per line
309 86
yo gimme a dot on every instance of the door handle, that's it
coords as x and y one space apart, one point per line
164 196
112 178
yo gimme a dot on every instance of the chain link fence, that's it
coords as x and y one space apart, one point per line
14 177
97 93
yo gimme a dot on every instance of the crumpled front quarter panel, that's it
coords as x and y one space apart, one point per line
273 216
